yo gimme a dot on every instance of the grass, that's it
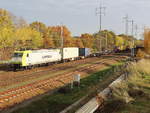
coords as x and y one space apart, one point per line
136 89
5 62
140 105
59 101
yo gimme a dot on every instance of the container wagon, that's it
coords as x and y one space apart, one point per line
84 52
71 53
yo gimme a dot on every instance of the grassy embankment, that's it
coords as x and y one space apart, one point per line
65 97
132 96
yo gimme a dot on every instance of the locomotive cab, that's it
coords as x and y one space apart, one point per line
19 59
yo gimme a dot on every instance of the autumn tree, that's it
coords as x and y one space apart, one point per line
104 40
111 39
19 22
139 43
108 39
68 41
147 40
78 42
6 37
87 40
38 26
55 33
119 42
6 41
6 33
5 18
6 29
28 38
127 41
47 39
46 33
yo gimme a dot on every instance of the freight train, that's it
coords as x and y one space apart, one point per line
30 58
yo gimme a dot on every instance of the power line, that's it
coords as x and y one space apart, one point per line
62 41
127 21
132 23
133 42
101 12
61 36
126 18
136 30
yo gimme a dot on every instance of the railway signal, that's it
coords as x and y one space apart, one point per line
126 18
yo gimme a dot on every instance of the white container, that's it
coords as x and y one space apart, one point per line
43 56
70 53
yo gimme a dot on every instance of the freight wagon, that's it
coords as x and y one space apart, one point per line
70 53
84 52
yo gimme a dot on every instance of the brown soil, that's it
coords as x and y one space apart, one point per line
110 107
27 91
11 78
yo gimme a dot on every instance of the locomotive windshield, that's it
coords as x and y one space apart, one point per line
18 55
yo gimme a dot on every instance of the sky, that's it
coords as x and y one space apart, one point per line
80 15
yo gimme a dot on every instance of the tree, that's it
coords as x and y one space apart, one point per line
78 42
28 38
38 26
55 33
5 18
87 40
6 37
127 41
119 42
19 22
147 40
6 42
104 40
47 40
139 43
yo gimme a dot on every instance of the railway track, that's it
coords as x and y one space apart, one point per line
26 77
8 81
37 75
17 95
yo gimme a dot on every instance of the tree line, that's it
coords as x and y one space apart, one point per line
16 34
147 40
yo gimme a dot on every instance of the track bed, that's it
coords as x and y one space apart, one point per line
23 85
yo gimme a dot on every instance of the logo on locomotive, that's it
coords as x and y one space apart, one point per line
47 56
